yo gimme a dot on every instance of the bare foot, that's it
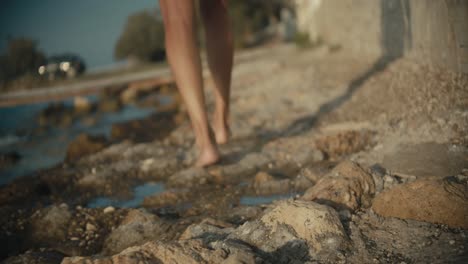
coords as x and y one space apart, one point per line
207 157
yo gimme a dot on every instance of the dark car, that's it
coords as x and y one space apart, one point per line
62 66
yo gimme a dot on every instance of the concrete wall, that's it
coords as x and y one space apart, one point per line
432 31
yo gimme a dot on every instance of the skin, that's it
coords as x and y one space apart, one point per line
184 59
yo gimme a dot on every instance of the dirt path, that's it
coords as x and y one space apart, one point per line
322 131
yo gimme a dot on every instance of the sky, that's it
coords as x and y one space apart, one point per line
89 28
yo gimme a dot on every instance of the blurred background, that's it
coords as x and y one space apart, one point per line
330 98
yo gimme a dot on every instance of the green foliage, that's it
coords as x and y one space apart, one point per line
22 57
142 38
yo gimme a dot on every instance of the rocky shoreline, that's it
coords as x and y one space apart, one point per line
337 150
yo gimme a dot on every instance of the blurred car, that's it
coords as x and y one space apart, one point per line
62 66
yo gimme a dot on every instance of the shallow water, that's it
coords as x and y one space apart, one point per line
39 148
140 192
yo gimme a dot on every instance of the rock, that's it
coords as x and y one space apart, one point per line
295 231
265 184
8 159
189 177
434 200
262 177
187 252
155 126
316 171
345 142
109 209
319 225
170 197
38 256
81 105
241 214
209 229
139 216
136 228
109 104
90 227
128 95
84 145
347 186
97 179
50 224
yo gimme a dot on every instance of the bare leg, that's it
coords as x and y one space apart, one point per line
219 48
184 58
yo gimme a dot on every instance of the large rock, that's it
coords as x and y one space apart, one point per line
50 224
434 200
84 145
187 252
295 231
136 228
347 186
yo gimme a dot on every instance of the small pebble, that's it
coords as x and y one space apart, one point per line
90 227
452 242
109 209
74 238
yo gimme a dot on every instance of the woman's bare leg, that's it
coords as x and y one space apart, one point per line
183 55
219 49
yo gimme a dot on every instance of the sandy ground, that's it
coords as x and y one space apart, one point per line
340 139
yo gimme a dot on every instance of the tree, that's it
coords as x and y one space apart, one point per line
22 57
142 38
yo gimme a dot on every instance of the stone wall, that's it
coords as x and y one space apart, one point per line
430 31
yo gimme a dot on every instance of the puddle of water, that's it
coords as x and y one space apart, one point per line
140 192
41 150
257 200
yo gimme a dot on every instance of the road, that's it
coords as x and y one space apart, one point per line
61 92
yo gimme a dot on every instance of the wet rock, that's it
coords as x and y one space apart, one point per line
348 186
297 230
81 105
166 198
262 177
248 165
41 256
50 224
84 145
434 200
95 179
8 159
189 177
109 209
264 184
136 228
156 167
155 126
109 104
